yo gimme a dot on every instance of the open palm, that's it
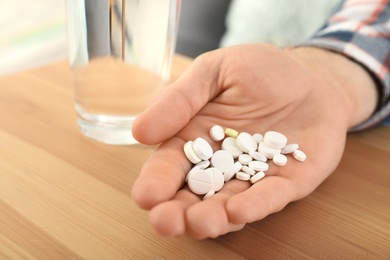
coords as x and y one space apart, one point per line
251 88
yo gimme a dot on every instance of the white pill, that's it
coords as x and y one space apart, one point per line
248 170
243 176
200 182
217 133
245 159
209 194
246 142
258 156
230 145
299 155
222 160
289 148
280 159
203 164
195 168
190 153
268 151
231 172
275 140
258 138
218 178
258 176
258 166
202 148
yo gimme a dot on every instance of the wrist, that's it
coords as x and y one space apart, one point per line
348 79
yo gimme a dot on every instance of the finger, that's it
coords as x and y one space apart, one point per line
162 175
178 103
168 219
208 218
267 196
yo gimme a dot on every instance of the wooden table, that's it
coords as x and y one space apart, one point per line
63 196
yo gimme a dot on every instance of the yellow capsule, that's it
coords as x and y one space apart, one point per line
231 132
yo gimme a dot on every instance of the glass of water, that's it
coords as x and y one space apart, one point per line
120 53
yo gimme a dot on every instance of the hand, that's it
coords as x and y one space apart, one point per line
307 94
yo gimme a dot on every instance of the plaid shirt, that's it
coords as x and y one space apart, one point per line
360 29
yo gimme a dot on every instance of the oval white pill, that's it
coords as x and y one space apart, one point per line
218 178
289 148
202 148
258 176
275 140
243 176
258 166
299 155
203 164
258 156
248 170
209 194
217 133
230 145
280 159
246 142
268 151
200 182
190 153
222 160
258 138
245 159
231 172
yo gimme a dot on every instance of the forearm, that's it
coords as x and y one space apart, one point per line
359 31
344 77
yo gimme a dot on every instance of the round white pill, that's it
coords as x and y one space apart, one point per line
218 178
258 176
275 140
248 170
258 138
299 155
231 172
289 148
200 182
246 142
245 159
258 156
243 176
217 133
258 166
230 145
268 151
195 168
190 153
202 148
280 159
222 160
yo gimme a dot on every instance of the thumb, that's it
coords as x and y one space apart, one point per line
178 103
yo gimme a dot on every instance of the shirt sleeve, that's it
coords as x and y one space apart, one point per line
361 31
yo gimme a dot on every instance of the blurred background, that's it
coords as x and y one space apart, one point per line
33 32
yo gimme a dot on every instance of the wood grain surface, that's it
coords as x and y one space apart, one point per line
63 196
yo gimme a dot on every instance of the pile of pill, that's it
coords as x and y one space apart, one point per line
242 156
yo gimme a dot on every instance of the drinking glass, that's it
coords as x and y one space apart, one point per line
120 52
